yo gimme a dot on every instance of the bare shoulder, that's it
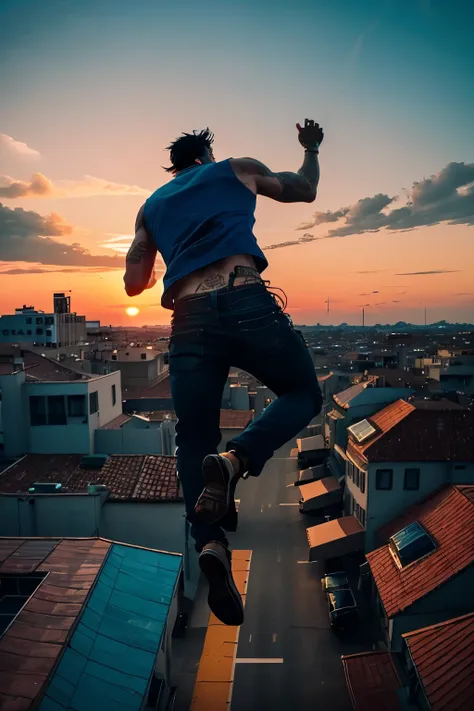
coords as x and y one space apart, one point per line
249 166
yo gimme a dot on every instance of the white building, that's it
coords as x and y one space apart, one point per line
47 408
29 326
393 460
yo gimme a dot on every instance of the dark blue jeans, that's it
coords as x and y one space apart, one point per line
244 327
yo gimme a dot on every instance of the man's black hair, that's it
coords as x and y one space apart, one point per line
185 149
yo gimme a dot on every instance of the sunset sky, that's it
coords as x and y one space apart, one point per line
93 90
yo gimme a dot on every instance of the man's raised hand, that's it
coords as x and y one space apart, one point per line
311 135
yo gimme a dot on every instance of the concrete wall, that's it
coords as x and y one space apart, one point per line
152 525
14 417
383 506
50 515
128 440
448 601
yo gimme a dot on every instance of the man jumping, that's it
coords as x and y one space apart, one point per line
223 315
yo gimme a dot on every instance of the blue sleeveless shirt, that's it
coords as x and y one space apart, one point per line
201 216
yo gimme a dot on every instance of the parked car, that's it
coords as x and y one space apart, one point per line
335 581
342 608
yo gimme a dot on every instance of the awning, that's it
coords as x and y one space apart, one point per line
308 444
335 538
312 474
319 494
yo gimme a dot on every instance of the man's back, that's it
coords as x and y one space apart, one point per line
203 215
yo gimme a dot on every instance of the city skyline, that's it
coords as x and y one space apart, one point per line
93 93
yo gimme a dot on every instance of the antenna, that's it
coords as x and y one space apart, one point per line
363 318
425 315
327 302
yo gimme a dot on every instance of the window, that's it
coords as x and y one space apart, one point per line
28 320
143 356
28 333
410 544
383 479
350 470
76 405
57 410
362 481
114 357
356 476
93 402
459 466
362 517
39 331
37 410
49 320
39 321
412 480
49 332
114 394
361 430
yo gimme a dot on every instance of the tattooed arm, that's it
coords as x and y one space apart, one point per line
140 260
282 187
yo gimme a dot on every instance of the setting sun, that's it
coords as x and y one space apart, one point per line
132 311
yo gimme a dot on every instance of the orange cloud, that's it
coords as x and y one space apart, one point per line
88 186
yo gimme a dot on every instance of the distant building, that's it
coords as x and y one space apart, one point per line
54 330
458 375
101 615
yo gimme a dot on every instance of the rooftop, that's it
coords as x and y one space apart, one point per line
136 477
100 610
372 681
444 658
401 587
398 378
229 419
345 398
406 432
160 390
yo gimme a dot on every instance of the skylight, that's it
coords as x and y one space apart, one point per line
411 544
361 430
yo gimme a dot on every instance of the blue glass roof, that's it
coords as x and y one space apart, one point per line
412 543
111 655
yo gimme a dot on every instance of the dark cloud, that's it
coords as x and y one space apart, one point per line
447 197
26 236
432 271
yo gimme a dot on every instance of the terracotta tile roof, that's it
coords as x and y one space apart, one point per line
32 644
135 477
229 419
444 658
448 517
372 681
411 434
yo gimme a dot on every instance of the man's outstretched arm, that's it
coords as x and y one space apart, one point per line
140 260
286 186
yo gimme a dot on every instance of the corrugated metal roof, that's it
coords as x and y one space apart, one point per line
128 477
31 646
112 652
448 516
444 658
372 680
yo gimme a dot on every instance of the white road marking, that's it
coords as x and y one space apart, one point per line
250 637
294 504
262 660
232 676
274 638
306 562
261 510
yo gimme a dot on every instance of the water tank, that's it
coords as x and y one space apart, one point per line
239 397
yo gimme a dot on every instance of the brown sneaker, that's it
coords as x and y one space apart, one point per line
216 503
223 599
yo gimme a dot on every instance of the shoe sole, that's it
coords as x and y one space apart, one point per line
223 599
216 476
